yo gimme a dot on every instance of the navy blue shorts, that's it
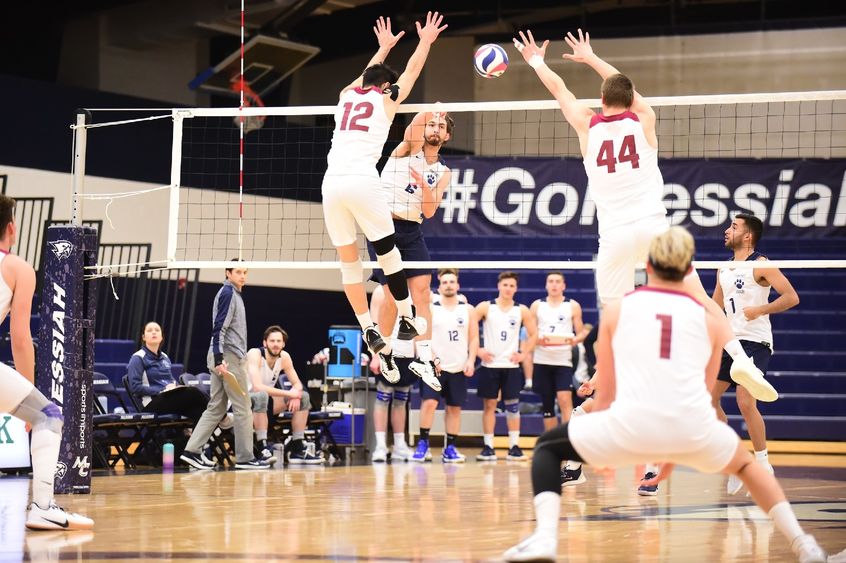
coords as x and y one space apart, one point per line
547 381
492 380
453 389
758 351
412 247
407 377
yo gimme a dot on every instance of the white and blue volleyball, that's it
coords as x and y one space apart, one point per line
490 61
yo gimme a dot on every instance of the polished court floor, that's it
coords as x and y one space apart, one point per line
431 512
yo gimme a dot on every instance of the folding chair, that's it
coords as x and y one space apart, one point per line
202 381
117 431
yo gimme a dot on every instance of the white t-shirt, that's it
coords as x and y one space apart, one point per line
740 290
404 196
361 129
622 170
502 334
269 374
450 341
554 320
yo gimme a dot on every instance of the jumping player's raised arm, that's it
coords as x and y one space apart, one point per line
387 40
427 33
583 53
577 114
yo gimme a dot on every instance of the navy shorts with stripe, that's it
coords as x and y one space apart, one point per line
453 389
491 380
760 352
412 247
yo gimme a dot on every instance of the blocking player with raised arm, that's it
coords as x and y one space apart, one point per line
455 342
18 395
414 181
501 355
744 295
265 366
620 150
350 190
659 353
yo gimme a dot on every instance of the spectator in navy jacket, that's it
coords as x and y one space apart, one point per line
151 380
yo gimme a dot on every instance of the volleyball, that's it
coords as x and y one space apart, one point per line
490 60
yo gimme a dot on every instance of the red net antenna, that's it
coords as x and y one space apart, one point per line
251 99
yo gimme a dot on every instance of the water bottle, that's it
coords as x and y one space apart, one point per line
279 452
167 457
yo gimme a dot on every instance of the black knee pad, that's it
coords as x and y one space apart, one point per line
383 245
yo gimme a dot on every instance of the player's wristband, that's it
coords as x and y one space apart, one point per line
536 61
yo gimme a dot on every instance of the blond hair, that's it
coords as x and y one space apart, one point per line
671 253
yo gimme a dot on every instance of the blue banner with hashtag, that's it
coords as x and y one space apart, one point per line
549 196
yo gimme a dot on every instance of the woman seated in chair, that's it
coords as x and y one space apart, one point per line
152 383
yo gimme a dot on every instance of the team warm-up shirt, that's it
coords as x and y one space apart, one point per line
740 290
450 336
554 321
404 196
502 335
361 129
622 170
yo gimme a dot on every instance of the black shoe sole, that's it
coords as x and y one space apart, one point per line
407 334
376 346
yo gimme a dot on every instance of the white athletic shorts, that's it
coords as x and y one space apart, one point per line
617 437
620 249
14 388
352 199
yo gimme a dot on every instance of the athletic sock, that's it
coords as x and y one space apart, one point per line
381 440
404 307
424 433
785 520
451 439
513 438
45 451
424 350
261 435
735 350
547 511
488 440
399 440
364 320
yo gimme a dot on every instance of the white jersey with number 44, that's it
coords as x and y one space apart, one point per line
361 129
622 170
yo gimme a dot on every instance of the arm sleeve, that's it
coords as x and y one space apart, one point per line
220 322
135 371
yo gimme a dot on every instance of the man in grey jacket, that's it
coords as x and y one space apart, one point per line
227 352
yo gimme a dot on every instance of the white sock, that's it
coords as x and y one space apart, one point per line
399 440
261 434
424 350
45 452
651 468
785 520
381 440
404 307
547 511
513 438
735 350
488 440
573 465
364 320
762 457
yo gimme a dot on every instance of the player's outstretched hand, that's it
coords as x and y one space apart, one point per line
582 50
386 38
527 47
429 32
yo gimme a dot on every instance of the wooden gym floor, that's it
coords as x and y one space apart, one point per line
431 512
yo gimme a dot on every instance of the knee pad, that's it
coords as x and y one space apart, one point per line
258 401
384 245
305 402
384 394
352 272
391 261
512 409
401 395
40 412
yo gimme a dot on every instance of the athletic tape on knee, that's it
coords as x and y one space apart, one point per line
401 395
352 272
40 412
512 409
391 262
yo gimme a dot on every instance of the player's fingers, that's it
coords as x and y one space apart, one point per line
545 43
587 37
571 39
581 36
400 34
531 37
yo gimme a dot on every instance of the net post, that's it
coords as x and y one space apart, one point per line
175 180
65 360
80 140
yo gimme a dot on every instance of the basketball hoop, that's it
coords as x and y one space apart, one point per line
251 99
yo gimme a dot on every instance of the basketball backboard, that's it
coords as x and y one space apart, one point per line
267 61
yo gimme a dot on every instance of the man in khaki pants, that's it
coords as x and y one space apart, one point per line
227 352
